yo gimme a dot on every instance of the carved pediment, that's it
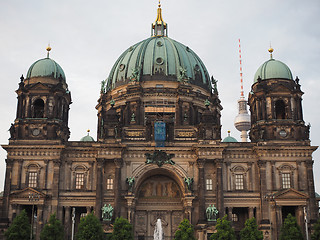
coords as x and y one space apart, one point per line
39 87
25 193
290 194
281 88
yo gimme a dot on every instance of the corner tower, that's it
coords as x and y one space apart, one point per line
43 103
275 104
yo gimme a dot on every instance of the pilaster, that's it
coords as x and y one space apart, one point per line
201 191
117 189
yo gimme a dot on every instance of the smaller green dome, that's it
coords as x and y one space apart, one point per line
229 138
87 138
46 67
273 69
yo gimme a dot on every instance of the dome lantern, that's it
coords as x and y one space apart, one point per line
159 27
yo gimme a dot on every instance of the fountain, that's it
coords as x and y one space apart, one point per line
158 233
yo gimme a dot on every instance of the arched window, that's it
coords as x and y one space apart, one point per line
38 108
239 177
286 173
280 108
32 175
80 175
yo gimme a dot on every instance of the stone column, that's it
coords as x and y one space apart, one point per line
130 203
219 188
273 176
20 161
313 210
7 189
117 187
299 176
251 212
88 209
100 164
201 191
263 190
39 220
46 162
273 219
250 185
67 222
188 209
90 185
55 187
230 213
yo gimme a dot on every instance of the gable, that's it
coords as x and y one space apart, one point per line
281 88
25 194
39 87
290 194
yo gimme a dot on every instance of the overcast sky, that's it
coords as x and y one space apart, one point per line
87 37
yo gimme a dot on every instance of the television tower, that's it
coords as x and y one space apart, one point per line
242 121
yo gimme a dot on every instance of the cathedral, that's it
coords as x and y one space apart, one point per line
159 152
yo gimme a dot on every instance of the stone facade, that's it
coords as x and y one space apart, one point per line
159 154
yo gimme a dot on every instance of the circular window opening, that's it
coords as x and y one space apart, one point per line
122 67
159 61
159 44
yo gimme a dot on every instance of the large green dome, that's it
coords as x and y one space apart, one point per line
159 58
46 67
273 69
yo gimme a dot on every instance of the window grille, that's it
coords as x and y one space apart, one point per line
239 182
33 176
286 180
79 180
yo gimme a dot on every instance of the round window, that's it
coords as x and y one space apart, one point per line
283 133
159 61
122 67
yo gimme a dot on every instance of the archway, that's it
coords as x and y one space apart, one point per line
158 195
38 108
280 108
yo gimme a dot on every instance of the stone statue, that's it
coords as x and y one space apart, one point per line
12 131
212 213
103 86
183 78
107 212
130 181
135 76
214 83
189 182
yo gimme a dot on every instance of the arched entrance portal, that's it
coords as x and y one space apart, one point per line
158 196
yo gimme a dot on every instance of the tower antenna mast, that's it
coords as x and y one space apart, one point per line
242 121
241 74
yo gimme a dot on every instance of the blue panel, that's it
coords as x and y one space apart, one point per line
159 131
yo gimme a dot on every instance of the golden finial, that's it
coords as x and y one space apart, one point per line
270 50
159 26
229 133
48 49
88 131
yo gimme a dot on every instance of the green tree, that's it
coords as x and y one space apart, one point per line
316 228
290 229
250 231
185 231
90 228
224 230
20 228
53 230
122 230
